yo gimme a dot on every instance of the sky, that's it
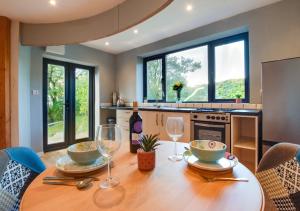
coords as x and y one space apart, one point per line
229 63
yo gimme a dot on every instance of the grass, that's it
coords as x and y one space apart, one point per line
57 129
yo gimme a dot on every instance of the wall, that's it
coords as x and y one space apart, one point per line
274 33
104 82
14 81
24 96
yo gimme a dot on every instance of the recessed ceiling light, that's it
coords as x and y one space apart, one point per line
107 43
52 2
136 31
189 7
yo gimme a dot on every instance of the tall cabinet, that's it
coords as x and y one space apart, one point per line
245 139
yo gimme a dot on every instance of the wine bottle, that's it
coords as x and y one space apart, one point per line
136 129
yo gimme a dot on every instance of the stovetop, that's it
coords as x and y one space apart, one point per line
214 110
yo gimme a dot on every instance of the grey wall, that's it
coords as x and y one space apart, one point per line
274 33
24 96
104 82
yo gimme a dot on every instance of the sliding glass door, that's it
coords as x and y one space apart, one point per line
68 102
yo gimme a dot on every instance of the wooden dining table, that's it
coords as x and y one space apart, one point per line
170 186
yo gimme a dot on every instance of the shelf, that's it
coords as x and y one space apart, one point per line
245 143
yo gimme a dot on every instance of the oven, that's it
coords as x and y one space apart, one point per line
211 126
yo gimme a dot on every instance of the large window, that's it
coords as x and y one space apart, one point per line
154 75
216 71
191 68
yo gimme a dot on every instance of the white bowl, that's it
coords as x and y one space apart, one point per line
207 150
84 153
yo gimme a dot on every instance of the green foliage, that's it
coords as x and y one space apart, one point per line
154 89
177 68
56 93
149 143
82 92
229 89
238 96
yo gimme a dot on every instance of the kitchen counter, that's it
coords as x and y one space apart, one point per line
189 110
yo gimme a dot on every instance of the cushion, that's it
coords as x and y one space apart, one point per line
282 184
18 168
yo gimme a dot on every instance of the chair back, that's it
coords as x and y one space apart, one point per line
279 176
18 168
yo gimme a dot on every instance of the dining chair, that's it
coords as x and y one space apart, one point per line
279 175
18 168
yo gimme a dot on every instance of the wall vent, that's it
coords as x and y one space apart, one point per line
59 49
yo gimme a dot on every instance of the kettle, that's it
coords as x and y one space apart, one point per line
121 102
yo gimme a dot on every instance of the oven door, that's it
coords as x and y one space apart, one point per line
209 131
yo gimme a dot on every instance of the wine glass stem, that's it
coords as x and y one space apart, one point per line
108 168
175 146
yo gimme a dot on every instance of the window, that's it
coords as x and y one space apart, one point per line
230 70
216 71
154 79
191 68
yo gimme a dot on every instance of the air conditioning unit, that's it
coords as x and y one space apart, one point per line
58 49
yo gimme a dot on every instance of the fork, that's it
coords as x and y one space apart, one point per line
213 179
51 178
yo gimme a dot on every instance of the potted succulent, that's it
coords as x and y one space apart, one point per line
146 153
178 87
238 98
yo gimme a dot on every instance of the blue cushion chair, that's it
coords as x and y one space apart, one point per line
18 168
279 176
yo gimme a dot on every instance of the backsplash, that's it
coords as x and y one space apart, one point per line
199 105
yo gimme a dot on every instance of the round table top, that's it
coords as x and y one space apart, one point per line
170 186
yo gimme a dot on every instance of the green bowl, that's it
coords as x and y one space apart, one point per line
207 150
84 153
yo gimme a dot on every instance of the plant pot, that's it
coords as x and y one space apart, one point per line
238 100
146 160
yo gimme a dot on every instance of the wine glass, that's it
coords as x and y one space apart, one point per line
175 129
108 141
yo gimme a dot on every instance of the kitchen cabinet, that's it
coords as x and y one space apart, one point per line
244 140
150 122
123 117
154 122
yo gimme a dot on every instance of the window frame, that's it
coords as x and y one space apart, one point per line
211 68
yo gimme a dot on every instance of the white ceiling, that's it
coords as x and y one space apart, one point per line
174 20
41 11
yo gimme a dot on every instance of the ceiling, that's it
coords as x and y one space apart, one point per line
175 19
41 11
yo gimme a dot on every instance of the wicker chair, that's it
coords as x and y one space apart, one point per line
279 175
18 168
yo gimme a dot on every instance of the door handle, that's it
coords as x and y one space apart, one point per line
162 120
156 119
66 104
209 125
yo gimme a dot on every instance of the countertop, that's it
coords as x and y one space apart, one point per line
189 110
